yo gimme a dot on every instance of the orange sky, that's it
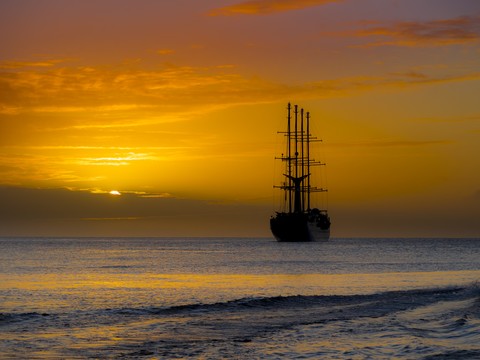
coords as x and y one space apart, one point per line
176 105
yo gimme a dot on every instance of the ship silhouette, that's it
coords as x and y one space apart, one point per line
299 221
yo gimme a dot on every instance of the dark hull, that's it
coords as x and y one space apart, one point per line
287 227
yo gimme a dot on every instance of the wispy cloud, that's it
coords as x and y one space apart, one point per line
118 160
265 7
32 64
453 119
112 218
392 143
100 108
78 165
27 167
460 30
165 51
123 98
93 148
402 80
9 110
118 89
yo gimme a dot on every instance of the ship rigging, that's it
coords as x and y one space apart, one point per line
299 221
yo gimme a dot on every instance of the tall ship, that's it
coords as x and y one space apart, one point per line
299 220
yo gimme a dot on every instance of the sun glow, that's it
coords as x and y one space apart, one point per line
187 126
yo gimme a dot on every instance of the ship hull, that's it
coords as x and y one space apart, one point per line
297 228
318 234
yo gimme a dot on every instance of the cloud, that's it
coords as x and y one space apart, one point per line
124 97
402 80
99 108
25 203
79 164
460 30
62 212
392 143
452 119
27 64
119 160
265 7
9 110
119 89
165 51
41 167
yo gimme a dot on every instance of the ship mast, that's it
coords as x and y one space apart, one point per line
298 162
296 141
312 162
297 179
302 161
308 160
299 218
289 159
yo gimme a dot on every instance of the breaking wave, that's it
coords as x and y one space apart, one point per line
440 323
392 300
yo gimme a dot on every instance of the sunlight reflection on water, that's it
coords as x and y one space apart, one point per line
53 292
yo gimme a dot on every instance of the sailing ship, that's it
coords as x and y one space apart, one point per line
299 221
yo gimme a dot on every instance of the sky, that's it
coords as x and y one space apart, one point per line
160 118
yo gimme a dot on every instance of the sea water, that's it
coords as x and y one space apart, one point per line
214 298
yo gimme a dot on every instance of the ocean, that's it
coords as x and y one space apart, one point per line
236 298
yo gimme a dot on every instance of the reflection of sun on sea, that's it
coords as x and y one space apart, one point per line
115 192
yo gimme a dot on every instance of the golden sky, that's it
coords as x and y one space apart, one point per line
176 105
